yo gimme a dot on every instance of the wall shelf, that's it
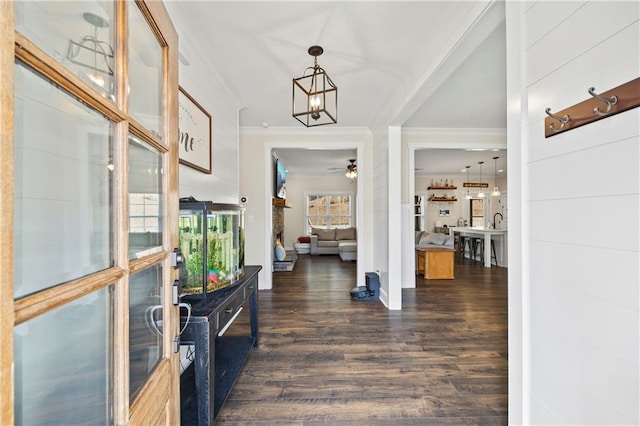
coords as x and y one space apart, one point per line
442 187
442 199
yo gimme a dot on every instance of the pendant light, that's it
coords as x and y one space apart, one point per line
481 192
468 196
496 190
315 96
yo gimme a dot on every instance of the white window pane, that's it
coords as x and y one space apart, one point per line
63 180
145 186
136 209
145 72
78 34
330 211
145 326
62 364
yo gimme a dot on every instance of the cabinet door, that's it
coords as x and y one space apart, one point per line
89 213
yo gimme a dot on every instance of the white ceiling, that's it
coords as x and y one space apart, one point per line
443 162
450 162
307 161
394 62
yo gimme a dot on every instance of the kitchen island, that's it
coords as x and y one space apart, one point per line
500 236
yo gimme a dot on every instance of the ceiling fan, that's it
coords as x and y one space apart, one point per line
351 171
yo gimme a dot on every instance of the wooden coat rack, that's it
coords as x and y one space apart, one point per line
599 106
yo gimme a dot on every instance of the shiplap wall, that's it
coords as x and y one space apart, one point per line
583 246
202 83
380 212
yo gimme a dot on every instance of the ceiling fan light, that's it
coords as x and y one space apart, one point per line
352 170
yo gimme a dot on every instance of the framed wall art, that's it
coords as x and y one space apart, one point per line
194 132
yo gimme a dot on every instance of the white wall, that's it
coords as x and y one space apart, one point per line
298 185
200 80
581 301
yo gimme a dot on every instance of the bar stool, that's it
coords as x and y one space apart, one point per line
493 251
464 243
476 243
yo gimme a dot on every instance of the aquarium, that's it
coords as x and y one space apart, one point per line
212 244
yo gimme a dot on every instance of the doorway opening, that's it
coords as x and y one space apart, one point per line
439 177
308 174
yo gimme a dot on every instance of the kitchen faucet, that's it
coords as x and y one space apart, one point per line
494 219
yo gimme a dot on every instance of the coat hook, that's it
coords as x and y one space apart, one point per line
563 120
609 101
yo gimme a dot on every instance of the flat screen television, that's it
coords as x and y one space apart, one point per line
281 181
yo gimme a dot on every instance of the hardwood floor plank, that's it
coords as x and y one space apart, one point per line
327 359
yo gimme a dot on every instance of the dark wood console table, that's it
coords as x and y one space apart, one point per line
206 384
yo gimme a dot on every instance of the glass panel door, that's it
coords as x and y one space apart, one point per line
91 219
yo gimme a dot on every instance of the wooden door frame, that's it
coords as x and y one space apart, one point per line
6 211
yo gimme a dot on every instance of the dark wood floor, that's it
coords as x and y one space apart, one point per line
327 359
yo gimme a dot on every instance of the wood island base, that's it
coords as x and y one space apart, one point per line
435 263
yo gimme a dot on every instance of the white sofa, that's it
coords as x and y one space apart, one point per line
340 241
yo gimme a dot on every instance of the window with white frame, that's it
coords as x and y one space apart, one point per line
329 211
144 213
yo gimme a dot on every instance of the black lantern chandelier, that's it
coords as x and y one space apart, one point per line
315 97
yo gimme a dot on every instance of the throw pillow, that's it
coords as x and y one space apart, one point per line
280 253
419 236
345 234
448 241
304 239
